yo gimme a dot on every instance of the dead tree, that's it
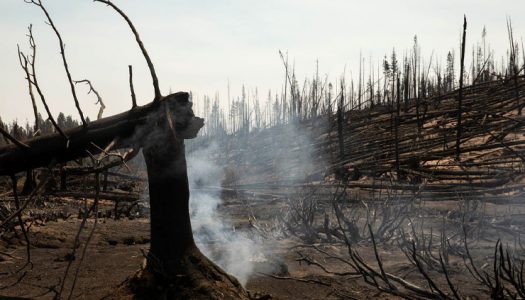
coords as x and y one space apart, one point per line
174 262
460 96
340 121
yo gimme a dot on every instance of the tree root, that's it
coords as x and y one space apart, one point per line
198 278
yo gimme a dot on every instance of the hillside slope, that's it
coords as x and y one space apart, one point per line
490 165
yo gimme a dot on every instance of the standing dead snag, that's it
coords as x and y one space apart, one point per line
340 121
460 96
173 251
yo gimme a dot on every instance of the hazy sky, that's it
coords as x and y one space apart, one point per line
200 45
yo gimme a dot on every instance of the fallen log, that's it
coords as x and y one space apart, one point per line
119 197
129 129
127 176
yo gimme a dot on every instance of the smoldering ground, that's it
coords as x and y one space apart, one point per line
243 251
217 238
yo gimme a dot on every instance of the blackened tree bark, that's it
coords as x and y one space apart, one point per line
174 260
396 126
171 235
340 121
460 96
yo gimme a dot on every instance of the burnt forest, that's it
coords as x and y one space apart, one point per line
405 180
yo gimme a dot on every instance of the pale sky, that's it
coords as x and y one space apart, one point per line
200 45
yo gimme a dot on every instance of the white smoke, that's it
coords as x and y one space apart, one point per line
280 155
214 233
292 153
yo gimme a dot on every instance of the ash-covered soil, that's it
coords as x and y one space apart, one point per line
116 249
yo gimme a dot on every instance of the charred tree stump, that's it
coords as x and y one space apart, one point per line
168 188
174 260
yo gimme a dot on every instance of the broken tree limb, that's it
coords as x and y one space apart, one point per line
133 97
99 99
114 196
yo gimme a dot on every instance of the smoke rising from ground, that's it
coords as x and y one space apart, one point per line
214 234
279 155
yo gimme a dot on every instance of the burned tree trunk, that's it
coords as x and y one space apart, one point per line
173 251
460 96
171 235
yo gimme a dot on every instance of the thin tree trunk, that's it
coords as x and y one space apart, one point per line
396 125
460 97
340 121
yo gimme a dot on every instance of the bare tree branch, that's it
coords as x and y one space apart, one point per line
447 277
21 221
34 81
34 193
297 279
99 99
12 139
158 95
63 54
90 236
24 63
133 98
422 271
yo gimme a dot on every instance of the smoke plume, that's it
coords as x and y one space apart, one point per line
214 234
